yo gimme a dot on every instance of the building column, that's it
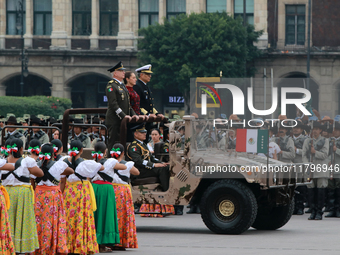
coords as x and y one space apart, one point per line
2 90
28 36
195 6
57 77
126 37
67 92
94 38
260 22
230 7
161 11
59 40
2 23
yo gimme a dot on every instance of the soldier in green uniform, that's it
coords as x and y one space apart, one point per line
334 183
79 135
286 144
13 132
315 152
118 103
37 133
145 162
299 139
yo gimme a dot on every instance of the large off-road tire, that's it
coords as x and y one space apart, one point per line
274 217
228 207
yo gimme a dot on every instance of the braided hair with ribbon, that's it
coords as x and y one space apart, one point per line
99 151
15 147
57 145
117 150
46 153
6 150
75 147
34 147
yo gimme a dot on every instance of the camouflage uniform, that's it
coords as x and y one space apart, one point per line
85 140
334 184
15 134
287 147
316 190
302 190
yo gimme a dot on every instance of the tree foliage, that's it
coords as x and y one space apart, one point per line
198 45
48 106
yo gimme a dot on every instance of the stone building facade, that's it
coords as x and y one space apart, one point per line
70 47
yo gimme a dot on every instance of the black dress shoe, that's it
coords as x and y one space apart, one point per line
331 214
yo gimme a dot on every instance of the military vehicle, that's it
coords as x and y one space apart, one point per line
231 201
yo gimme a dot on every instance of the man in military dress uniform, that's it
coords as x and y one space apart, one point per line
37 133
299 139
315 151
13 132
118 103
79 135
145 94
334 183
146 163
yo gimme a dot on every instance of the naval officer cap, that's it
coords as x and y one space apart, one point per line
139 128
144 69
118 67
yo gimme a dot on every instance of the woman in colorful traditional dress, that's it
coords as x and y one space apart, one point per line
49 208
106 214
6 242
21 194
80 202
124 202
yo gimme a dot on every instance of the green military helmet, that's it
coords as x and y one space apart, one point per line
10 114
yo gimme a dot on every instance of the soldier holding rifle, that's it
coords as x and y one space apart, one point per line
299 139
334 183
315 153
286 144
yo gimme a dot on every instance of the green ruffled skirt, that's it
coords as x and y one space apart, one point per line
106 214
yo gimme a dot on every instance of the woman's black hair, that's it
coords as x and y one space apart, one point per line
75 144
35 143
121 149
165 134
100 146
46 148
157 129
56 143
18 144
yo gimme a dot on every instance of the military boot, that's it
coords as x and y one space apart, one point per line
329 200
311 202
178 209
320 203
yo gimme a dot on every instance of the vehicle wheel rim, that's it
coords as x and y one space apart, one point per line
227 208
